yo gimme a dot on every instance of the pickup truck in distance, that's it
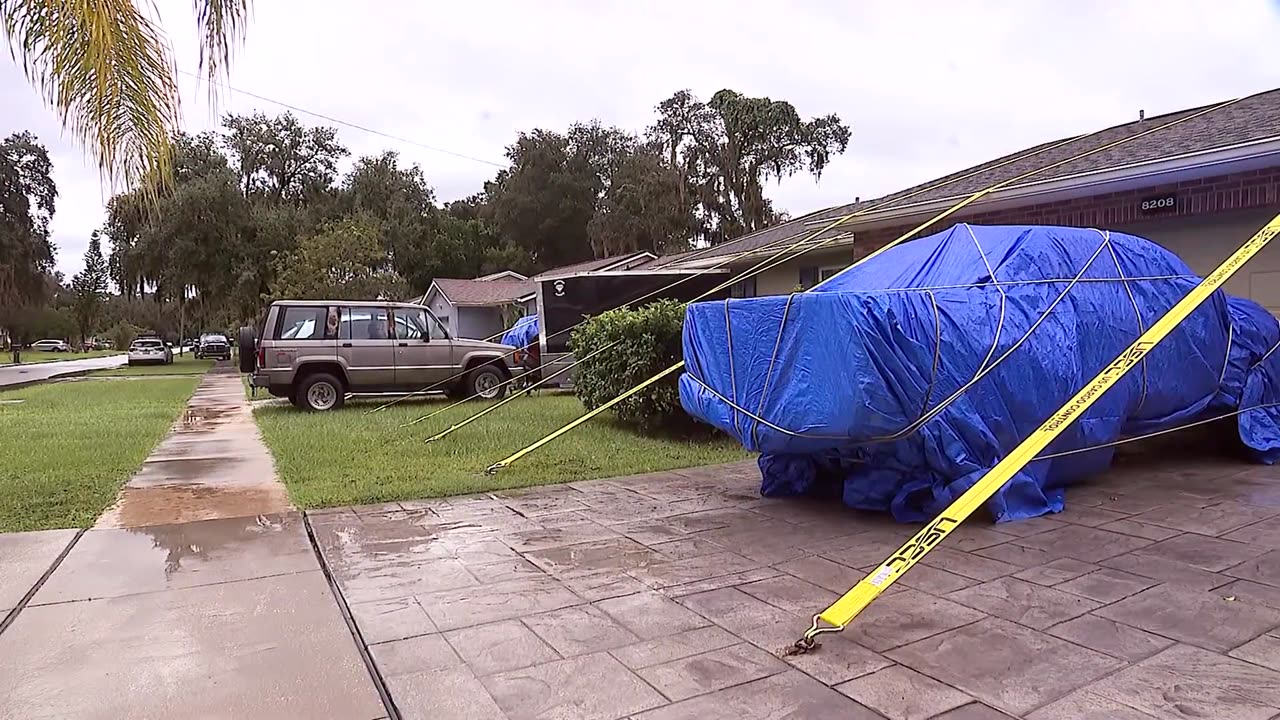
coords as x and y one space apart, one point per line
317 352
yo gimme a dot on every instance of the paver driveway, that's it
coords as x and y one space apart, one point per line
1156 595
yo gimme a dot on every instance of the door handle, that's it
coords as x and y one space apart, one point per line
403 344
346 344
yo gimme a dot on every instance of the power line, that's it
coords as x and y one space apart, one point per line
328 118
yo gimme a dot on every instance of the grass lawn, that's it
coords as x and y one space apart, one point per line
182 365
349 458
66 449
35 356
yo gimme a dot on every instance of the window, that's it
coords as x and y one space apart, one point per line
436 328
300 322
743 288
412 324
808 277
829 272
365 323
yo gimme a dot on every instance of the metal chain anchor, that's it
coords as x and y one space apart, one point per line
809 641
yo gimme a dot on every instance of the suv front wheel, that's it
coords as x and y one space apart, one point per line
486 383
319 392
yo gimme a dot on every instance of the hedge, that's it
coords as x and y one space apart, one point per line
645 341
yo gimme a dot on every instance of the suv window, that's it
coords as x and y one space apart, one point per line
417 324
306 323
364 323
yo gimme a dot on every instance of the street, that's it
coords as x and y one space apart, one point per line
12 375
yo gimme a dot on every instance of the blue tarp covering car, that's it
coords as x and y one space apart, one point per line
523 333
898 383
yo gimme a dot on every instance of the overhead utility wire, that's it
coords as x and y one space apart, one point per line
345 123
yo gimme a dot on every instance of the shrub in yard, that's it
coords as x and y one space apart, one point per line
645 341
122 335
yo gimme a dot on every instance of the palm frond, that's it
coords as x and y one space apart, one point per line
222 26
108 71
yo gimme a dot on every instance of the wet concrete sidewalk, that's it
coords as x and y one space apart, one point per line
212 465
666 597
210 603
228 618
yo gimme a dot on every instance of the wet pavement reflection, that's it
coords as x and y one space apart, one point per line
212 465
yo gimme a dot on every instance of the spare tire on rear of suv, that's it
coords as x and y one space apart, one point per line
248 346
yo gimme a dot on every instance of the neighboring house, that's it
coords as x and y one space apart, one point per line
477 308
486 306
1199 188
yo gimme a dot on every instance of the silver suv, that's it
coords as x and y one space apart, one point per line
316 352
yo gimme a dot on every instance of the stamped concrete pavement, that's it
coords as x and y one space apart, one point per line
660 597
668 596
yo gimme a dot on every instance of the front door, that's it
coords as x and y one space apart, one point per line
367 348
424 354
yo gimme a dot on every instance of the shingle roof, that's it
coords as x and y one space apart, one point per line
1253 118
483 292
585 266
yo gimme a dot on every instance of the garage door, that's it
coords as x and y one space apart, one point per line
1204 242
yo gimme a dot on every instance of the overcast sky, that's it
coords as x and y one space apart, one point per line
927 87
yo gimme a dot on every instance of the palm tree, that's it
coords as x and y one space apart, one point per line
107 69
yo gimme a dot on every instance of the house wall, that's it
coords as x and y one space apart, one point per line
479 323
1212 217
1204 242
783 279
443 309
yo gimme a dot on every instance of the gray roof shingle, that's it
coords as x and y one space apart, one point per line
484 292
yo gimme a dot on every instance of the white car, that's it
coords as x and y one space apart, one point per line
51 346
150 350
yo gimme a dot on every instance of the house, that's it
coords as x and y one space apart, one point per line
485 307
1199 182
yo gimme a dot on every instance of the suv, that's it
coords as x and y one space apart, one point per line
213 346
51 346
316 352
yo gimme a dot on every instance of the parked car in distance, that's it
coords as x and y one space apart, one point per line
151 351
51 346
317 352
213 345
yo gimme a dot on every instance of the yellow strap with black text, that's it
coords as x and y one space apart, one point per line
845 609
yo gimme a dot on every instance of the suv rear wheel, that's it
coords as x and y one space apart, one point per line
319 392
486 382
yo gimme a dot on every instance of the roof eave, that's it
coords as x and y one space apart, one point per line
436 286
664 270
1243 152
492 303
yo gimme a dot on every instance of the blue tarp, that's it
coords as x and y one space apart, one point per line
523 333
864 388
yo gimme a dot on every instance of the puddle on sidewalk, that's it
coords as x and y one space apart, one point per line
212 465
180 503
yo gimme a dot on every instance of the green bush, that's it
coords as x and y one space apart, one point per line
646 341
122 335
